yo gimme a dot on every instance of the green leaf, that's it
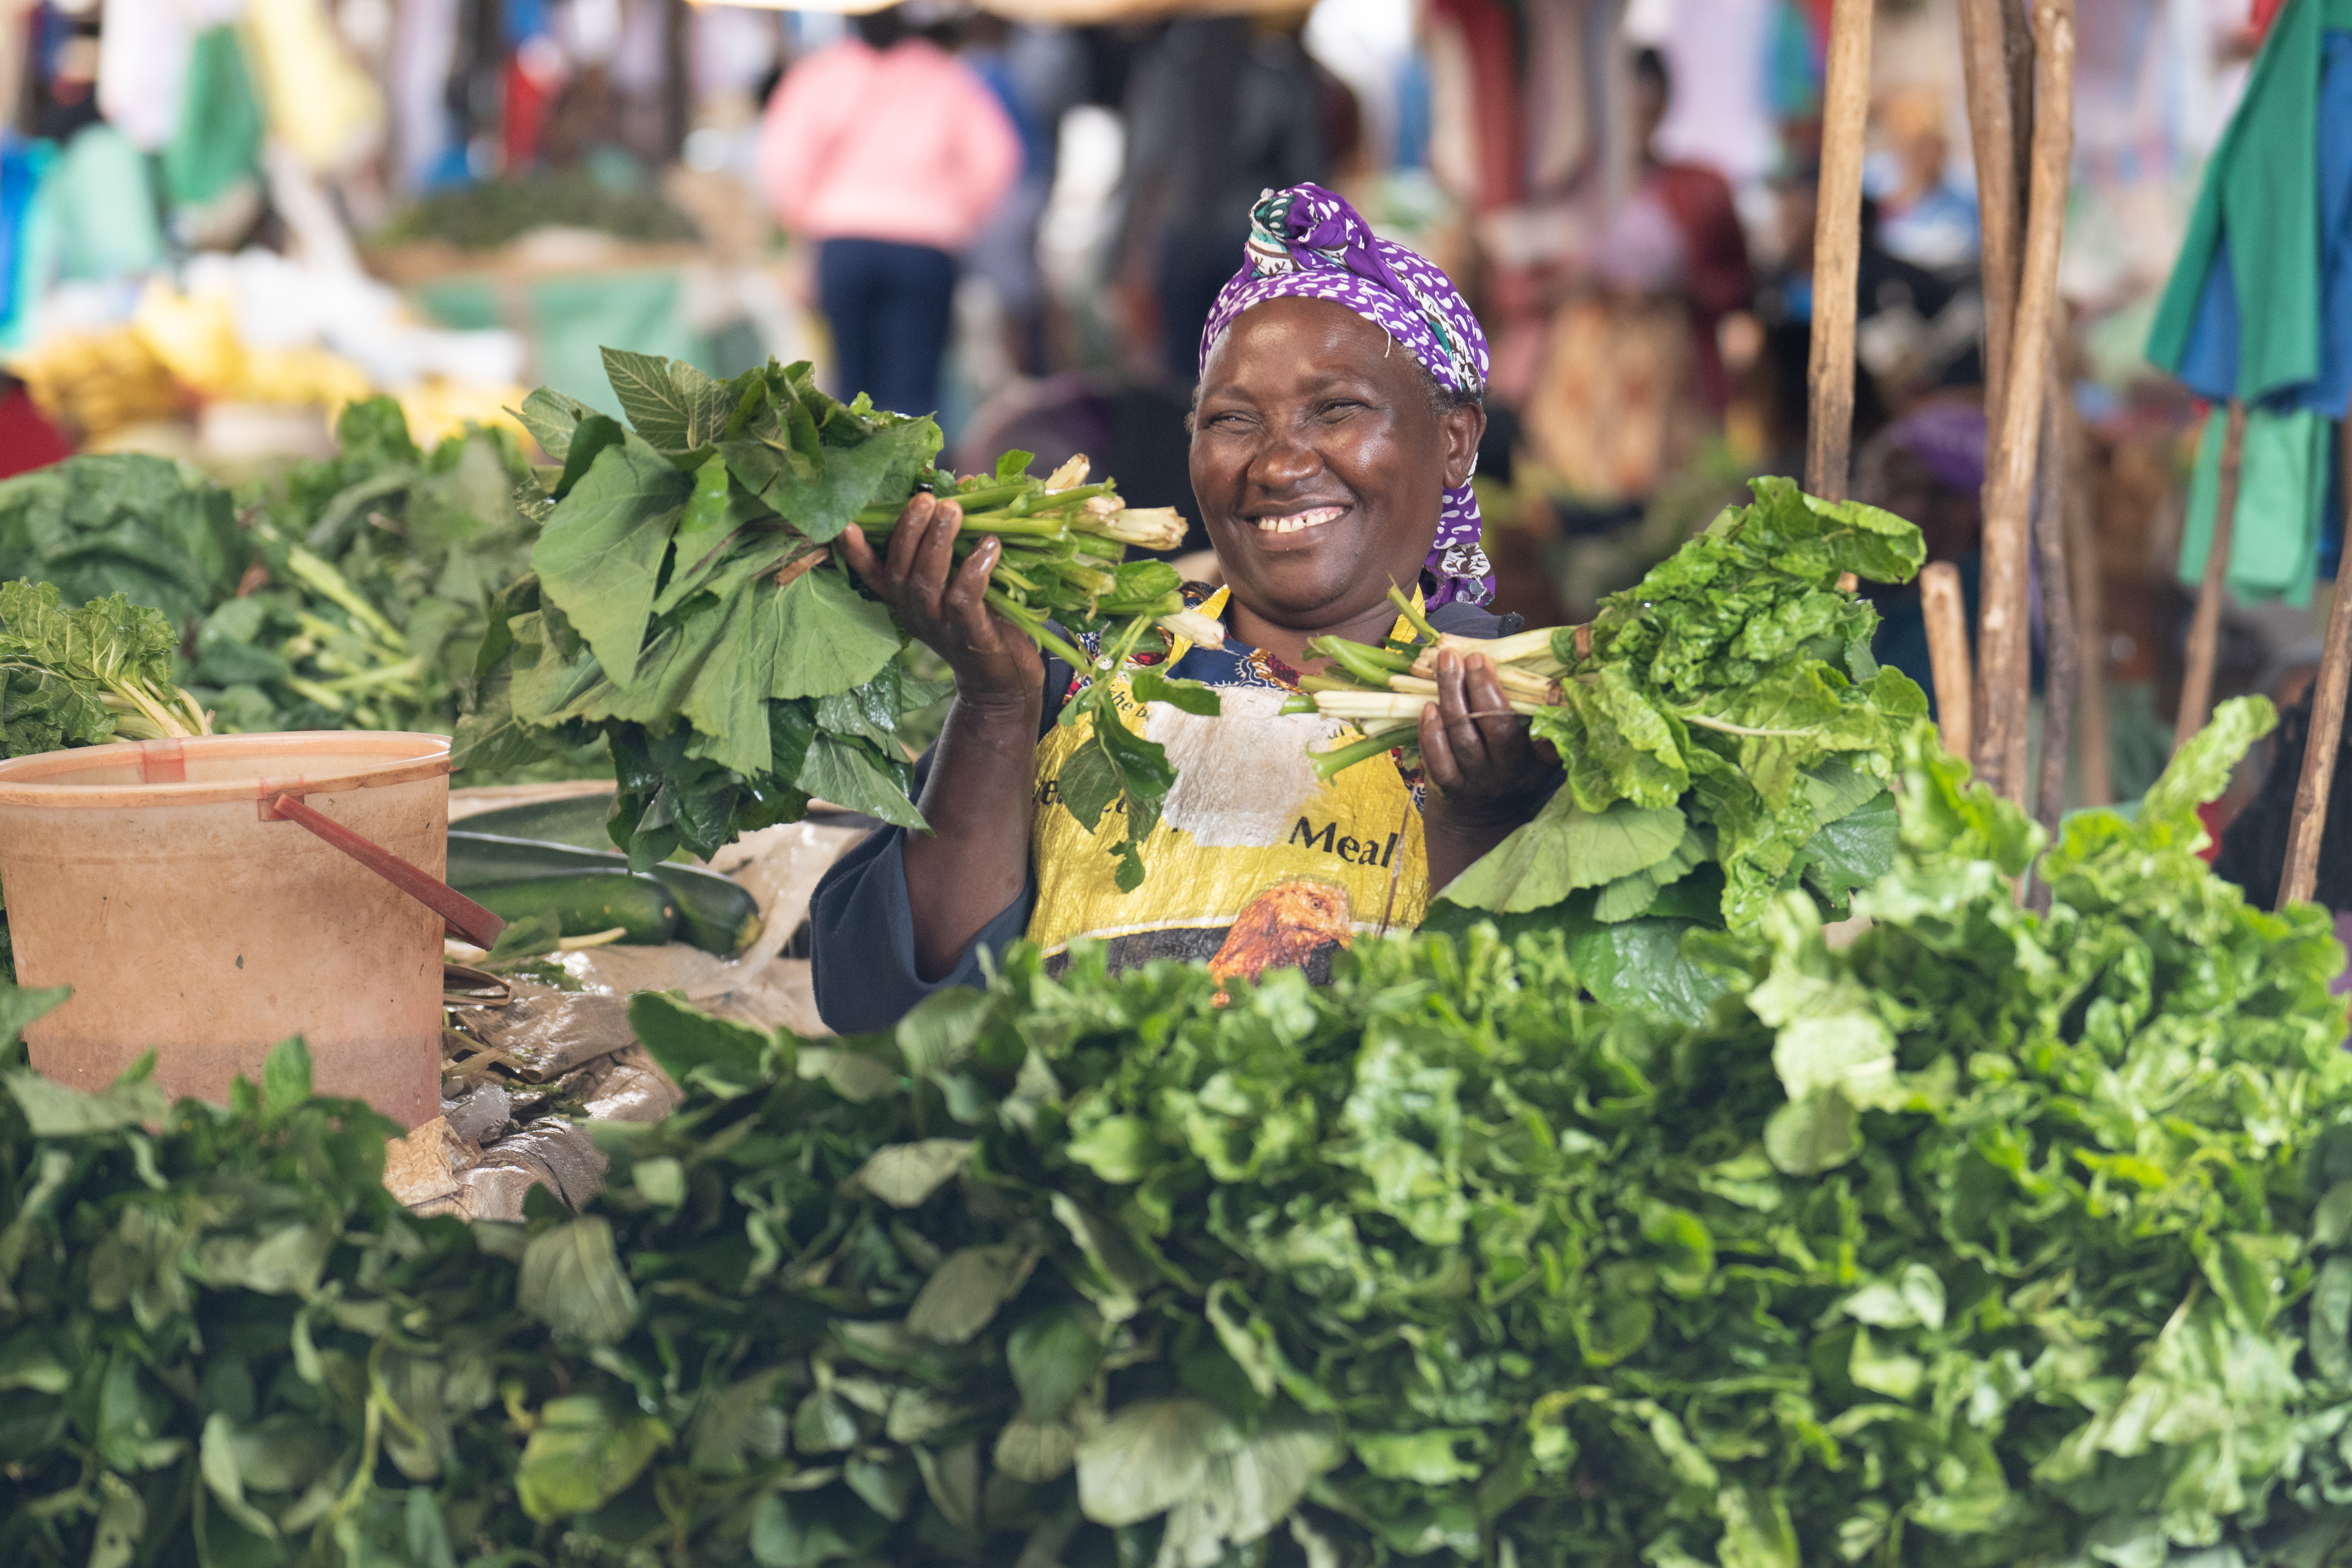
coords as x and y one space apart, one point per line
1052 1356
584 1452
571 1280
1820 1132
962 1294
846 774
599 557
673 405
552 418
879 470
286 1075
20 1006
587 442
53 1110
939 1032
1564 847
721 1055
1148 1457
1426 1457
1187 696
801 1529
905 1176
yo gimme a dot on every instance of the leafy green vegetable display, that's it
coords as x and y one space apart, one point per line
349 592
1995 1238
84 676
369 580
684 605
156 531
1725 734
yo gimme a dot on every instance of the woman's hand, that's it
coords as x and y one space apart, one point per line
1489 774
944 607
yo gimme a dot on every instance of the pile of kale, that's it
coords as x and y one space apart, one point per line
347 592
1996 1238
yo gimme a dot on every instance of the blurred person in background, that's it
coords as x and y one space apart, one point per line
890 154
1715 277
1925 217
1222 110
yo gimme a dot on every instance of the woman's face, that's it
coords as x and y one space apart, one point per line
1318 463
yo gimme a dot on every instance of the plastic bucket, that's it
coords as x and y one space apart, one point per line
148 877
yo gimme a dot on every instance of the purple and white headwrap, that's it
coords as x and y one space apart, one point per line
1307 243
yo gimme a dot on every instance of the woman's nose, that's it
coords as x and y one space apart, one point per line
1284 459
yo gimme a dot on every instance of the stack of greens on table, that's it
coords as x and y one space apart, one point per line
1995 1238
686 606
1725 734
347 593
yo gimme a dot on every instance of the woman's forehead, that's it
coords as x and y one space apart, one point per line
1292 342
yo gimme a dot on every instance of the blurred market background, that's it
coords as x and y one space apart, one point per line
225 226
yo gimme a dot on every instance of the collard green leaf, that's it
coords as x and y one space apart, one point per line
849 775
1564 847
601 553
1150 1457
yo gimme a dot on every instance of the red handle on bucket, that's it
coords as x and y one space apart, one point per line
467 919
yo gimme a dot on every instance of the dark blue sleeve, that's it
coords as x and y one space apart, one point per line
862 938
862 925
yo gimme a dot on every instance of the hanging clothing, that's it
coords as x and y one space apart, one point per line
2259 306
1247 840
2285 477
217 142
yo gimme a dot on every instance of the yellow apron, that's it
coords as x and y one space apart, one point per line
1253 863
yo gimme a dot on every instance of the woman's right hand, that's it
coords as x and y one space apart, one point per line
943 606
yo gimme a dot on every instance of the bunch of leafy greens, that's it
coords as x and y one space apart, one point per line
1726 738
1995 1238
368 580
685 605
345 593
83 677
156 531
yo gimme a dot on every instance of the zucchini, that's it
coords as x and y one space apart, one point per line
577 820
715 914
584 902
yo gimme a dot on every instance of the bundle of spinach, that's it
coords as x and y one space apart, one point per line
1725 734
223 1342
684 605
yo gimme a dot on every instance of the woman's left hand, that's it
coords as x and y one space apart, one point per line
1489 774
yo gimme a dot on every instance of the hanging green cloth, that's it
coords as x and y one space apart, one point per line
107 224
2285 464
218 141
2260 197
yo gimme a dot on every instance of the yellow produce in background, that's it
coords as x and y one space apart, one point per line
97 383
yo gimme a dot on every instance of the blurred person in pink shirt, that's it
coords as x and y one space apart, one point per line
889 152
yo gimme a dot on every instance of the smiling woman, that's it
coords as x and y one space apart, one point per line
1333 440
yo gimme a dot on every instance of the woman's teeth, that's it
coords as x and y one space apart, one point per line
1298 520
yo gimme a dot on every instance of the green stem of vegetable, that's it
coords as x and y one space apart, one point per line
332 700
1033 625
323 579
1331 764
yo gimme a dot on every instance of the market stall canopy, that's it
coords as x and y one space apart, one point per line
1066 13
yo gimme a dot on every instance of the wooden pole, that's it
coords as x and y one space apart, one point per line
1997 137
2097 784
2004 649
2061 680
1947 614
1837 251
2205 629
2316 788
